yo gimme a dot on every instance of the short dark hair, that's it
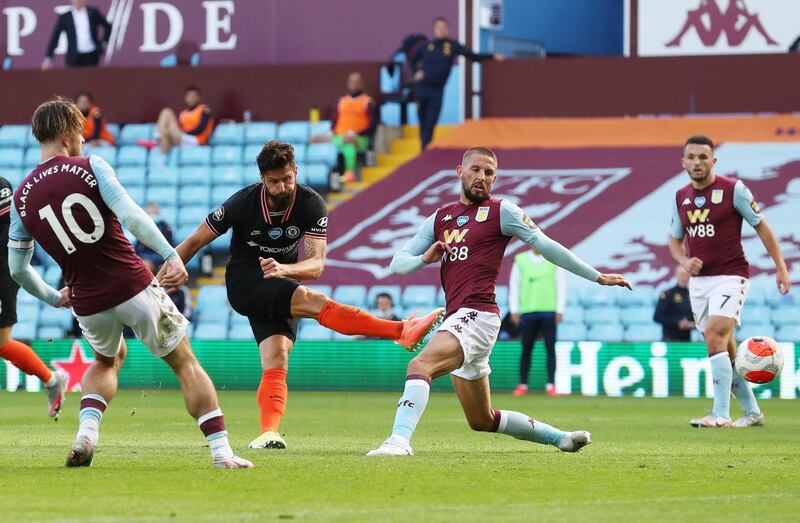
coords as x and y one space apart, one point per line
55 117
86 94
384 295
192 88
440 19
275 155
477 150
699 139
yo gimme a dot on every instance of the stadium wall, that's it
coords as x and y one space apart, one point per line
126 95
589 368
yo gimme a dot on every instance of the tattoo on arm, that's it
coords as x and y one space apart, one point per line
316 249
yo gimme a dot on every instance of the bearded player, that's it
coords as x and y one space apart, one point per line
469 238
706 240
269 220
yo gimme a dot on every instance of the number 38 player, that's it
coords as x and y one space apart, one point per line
707 216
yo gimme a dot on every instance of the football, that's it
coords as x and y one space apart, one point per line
759 359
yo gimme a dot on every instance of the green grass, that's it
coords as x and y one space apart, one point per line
646 464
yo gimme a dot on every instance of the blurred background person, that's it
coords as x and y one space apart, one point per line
85 44
95 126
674 310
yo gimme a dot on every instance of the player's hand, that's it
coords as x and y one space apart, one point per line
685 325
435 252
614 280
515 318
498 57
559 317
47 64
693 266
65 300
173 274
419 76
271 268
783 281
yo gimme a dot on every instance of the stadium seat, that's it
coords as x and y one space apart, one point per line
251 152
316 175
320 128
643 332
784 333
230 133
636 315
14 176
775 299
107 153
755 329
501 295
602 315
27 313
210 331
181 233
572 331
194 175
351 294
23 298
605 332
392 290
50 333
25 330
14 135
240 332
327 290
294 132
113 129
324 153
52 276
315 332
157 159
169 213
135 131
419 296
52 317
11 157
786 315
162 176
137 194
237 319
163 195
597 296
226 154
192 215
757 314
573 314
643 296
220 193
575 296
300 152
32 158
211 299
441 299
132 176
227 174
199 155
194 195
757 295
259 133
132 155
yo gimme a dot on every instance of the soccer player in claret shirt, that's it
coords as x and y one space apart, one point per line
268 219
72 206
469 238
706 240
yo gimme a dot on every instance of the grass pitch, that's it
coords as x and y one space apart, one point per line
646 463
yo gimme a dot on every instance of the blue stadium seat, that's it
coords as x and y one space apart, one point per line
137 194
52 276
27 313
259 133
320 128
14 135
327 290
132 155
169 213
135 131
419 296
324 153
32 158
192 215
227 174
238 319
575 296
11 157
775 299
351 295
212 299
226 154
25 330
390 83
642 296
597 296
755 329
643 332
786 315
636 315
181 233
316 175
501 296
240 332
757 294
50 333
194 195
605 332
219 193
230 133
441 299
106 152
757 314
300 152
162 176
602 315
784 333
210 331
162 195
251 152
25 298
194 155
572 331
157 159
573 314
14 176
413 114
113 129
390 114
392 290
130 176
315 332
52 317
194 176
294 132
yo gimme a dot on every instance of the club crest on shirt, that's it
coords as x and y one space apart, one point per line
219 213
716 196
699 201
292 232
755 207
275 232
482 214
461 220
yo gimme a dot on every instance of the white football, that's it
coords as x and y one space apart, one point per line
759 359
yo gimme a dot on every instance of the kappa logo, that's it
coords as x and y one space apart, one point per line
698 215
461 220
219 213
687 201
447 218
455 235
292 232
736 23
275 233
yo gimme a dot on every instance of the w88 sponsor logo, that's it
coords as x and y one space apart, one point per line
704 230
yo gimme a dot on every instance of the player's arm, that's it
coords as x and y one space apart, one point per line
745 205
676 247
308 269
513 222
20 252
419 251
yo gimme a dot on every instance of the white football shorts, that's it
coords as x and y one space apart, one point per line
717 296
477 333
150 314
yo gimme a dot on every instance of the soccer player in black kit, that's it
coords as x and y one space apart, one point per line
263 276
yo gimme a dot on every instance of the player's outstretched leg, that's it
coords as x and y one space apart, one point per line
99 384
718 332
201 402
25 359
753 417
475 399
346 319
